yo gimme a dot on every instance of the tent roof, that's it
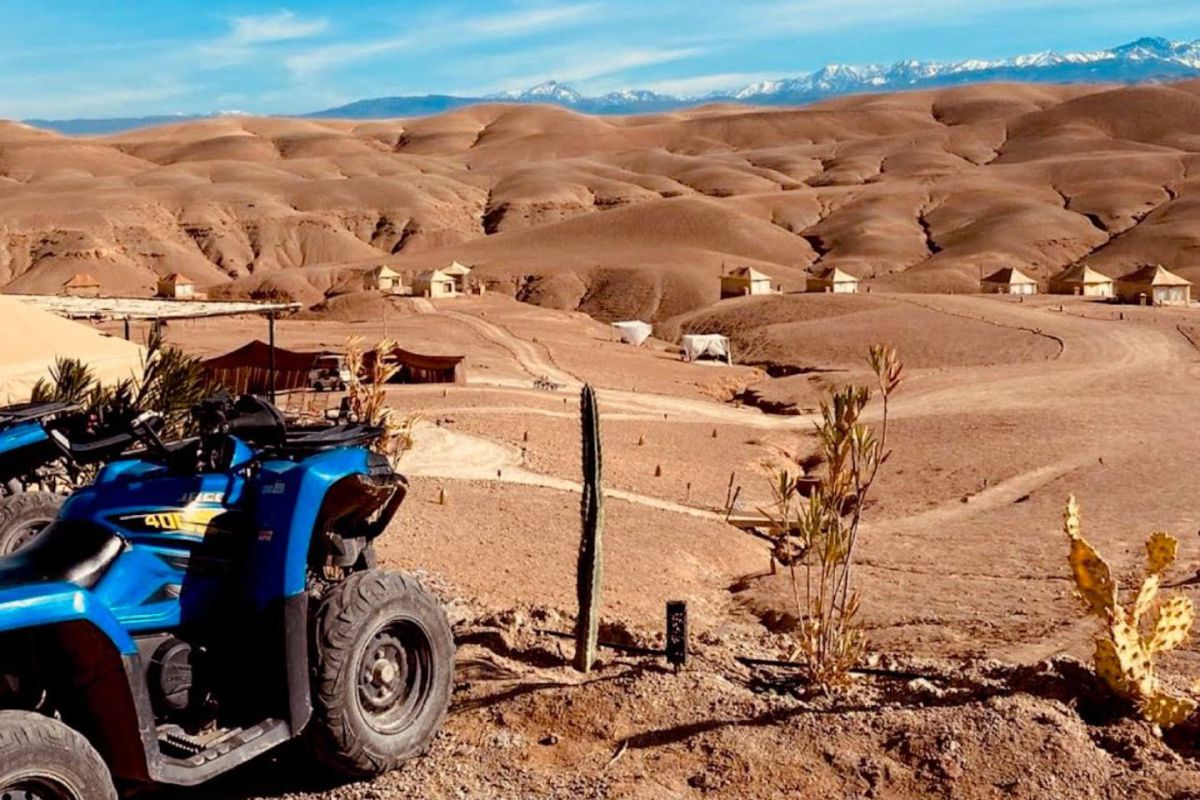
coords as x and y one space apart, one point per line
384 271
750 273
433 274
31 339
1009 276
80 280
1081 274
256 353
176 278
456 268
835 275
1155 275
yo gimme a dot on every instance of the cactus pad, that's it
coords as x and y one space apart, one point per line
1174 621
1160 552
1144 600
1093 578
1108 666
1134 659
1166 709
1071 518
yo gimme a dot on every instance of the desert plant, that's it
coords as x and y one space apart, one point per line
815 525
1133 635
171 383
71 381
366 395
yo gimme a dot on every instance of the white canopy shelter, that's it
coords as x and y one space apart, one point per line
707 345
633 331
31 339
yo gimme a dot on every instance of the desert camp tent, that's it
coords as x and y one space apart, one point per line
1082 280
382 278
175 287
1156 285
832 280
435 283
1008 281
31 340
420 367
247 370
707 345
632 331
81 284
743 281
461 274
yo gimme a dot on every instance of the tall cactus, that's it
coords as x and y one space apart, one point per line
589 568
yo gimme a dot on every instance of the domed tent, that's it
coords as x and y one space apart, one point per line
31 340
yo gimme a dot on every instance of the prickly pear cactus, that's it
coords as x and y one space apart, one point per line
1132 637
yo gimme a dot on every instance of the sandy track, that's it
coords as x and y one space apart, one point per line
441 453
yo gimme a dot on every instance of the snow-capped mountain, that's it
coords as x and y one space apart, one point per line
1148 59
1143 60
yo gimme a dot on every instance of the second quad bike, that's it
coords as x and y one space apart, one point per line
35 473
205 601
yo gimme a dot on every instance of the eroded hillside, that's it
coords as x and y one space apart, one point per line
629 216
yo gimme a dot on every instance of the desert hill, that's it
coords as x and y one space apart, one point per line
621 216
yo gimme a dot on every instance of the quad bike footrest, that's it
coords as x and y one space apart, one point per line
196 750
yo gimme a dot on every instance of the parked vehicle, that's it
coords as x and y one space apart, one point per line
329 374
204 601
36 474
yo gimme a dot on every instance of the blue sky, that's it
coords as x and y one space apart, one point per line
84 58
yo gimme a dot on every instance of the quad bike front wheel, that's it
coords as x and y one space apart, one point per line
384 666
43 759
23 516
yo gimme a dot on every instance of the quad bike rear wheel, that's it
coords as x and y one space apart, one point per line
23 516
43 759
383 671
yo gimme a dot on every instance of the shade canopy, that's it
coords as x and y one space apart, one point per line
633 331
705 345
31 340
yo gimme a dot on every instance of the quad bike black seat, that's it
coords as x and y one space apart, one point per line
65 552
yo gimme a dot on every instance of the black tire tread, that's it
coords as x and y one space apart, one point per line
20 507
344 610
25 730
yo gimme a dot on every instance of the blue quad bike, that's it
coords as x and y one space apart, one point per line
36 473
207 600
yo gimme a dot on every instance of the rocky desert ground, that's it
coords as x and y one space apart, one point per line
1009 406
981 684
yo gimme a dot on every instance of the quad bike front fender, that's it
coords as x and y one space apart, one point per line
46 604
289 502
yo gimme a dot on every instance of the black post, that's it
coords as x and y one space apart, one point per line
271 353
677 633
127 329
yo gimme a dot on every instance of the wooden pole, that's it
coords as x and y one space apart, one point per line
271 354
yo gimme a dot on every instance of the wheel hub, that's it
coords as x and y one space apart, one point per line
383 680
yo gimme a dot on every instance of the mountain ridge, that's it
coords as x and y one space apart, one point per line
1143 60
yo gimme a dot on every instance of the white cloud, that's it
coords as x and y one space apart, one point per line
281 26
247 34
495 26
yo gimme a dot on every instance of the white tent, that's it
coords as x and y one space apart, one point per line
633 331
31 339
706 345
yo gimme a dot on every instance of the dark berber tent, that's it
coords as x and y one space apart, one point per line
247 370
420 368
